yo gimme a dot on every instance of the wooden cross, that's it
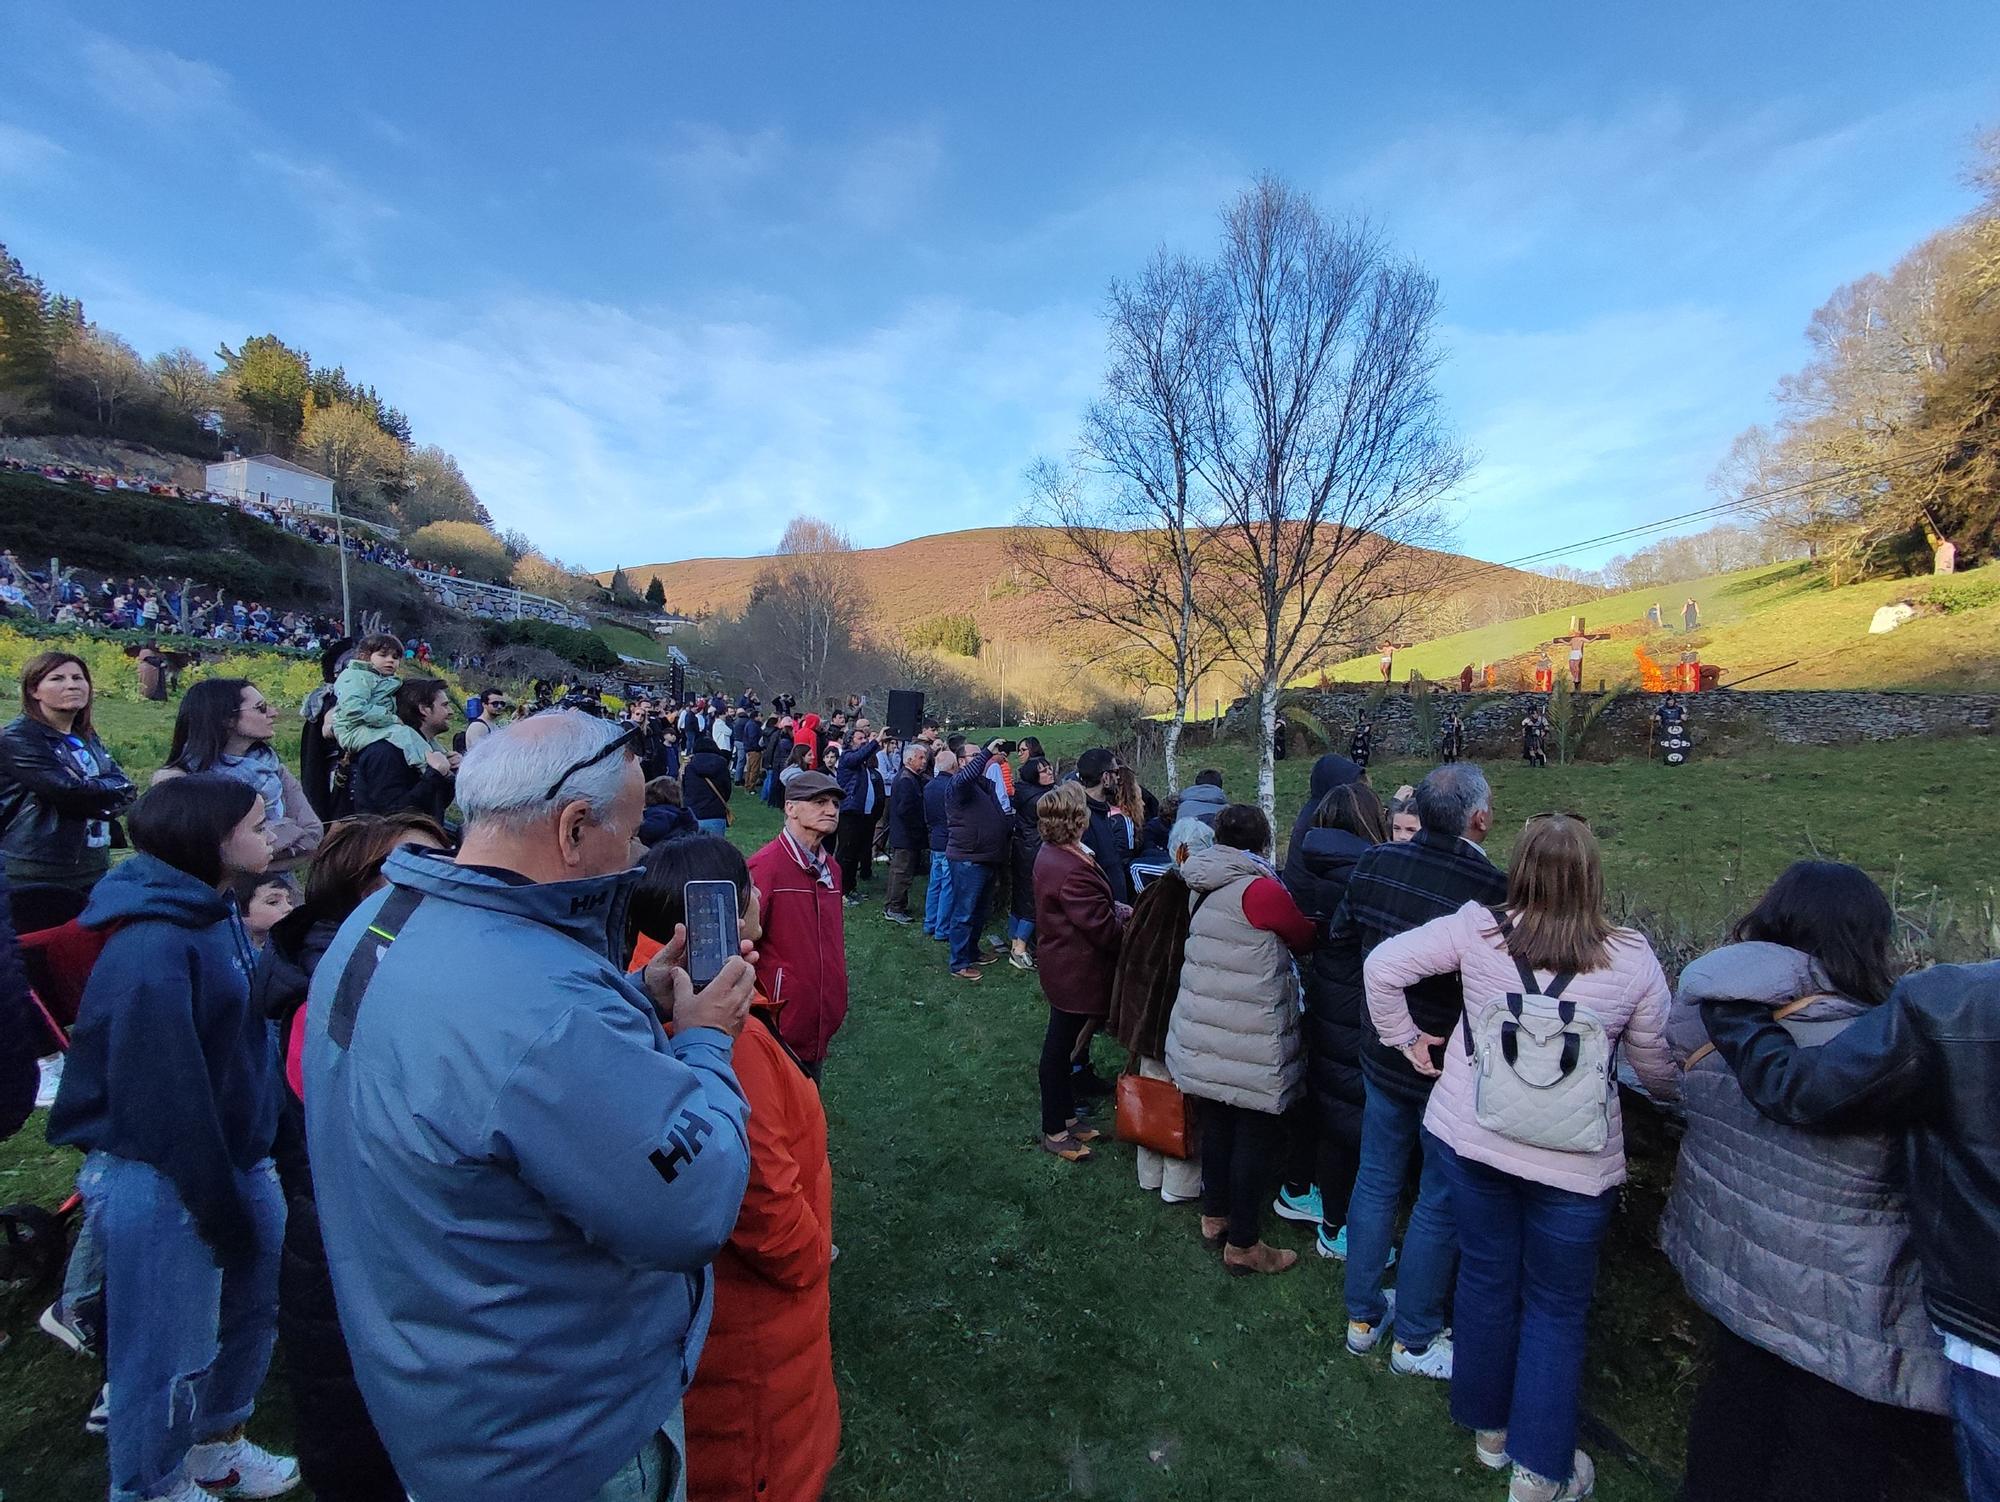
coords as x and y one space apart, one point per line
1578 635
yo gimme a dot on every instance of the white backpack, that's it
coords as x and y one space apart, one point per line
1541 1072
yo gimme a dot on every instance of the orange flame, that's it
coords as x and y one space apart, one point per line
1652 677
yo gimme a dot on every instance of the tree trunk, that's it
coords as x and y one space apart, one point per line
1267 764
1171 747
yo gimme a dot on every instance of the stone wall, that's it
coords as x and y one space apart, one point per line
1716 719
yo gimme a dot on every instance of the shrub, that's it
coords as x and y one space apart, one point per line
584 649
956 634
466 546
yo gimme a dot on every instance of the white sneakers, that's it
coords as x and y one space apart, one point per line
1528 1487
237 1468
1363 1337
1434 1360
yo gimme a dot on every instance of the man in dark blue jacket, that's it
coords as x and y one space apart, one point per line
907 833
937 823
1097 770
976 848
862 797
1395 888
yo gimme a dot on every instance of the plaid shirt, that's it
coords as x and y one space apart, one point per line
1399 887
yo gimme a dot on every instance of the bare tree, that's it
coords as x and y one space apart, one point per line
186 385
103 366
1323 441
1116 538
808 602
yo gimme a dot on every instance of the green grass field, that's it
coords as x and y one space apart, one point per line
1751 621
1009 1327
630 643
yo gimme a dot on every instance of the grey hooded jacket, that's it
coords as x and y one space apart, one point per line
1234 1037
521 1183
1798 1242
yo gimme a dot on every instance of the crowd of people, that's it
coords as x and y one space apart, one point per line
584 1251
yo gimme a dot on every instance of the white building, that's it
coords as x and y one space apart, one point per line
272 480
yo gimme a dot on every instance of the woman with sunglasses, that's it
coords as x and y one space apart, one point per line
225 726
1530 1217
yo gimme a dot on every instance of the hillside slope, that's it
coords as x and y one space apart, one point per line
916 581
1759 619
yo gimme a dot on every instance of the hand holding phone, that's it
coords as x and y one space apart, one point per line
712 929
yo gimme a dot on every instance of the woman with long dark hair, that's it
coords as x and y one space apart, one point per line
1798 1243
226 726
60 790
1532 1200
339 1450
1348 822
171 1089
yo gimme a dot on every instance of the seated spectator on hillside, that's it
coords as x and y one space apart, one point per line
384 782
1797 1244
571 1155
802 961
763 1416
667 817
1233 1041
1205 799
226 726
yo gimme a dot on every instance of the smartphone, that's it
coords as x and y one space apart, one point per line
713 937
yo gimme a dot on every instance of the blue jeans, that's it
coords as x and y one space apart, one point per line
937 898
188 1344
1390 1127
656 1473
971 887
717 827
1527 1268
739 759
1975 1421
1022 929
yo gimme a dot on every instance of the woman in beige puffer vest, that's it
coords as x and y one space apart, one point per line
1234 1040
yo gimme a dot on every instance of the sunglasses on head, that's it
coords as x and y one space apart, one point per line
632 739
1557 813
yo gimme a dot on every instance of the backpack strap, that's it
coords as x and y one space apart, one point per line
365 959
1566 1010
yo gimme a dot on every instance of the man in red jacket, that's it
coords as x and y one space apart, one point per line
803 956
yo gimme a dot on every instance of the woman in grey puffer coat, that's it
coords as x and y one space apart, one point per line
1797 1243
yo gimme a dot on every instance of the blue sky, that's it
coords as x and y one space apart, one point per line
662 276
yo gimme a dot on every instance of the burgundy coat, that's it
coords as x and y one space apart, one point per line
802 958
1076 932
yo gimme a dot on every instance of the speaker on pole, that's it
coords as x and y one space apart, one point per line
906 712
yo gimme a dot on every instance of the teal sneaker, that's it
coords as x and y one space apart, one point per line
1335 1247
1305 1207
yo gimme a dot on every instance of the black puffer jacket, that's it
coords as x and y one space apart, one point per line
1926 1063
50 792
1336 1019
339 1450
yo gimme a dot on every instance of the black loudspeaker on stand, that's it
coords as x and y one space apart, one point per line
906 712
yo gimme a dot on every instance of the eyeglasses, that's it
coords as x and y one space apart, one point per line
1557 813
631 739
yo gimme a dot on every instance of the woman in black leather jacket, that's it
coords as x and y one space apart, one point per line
60 789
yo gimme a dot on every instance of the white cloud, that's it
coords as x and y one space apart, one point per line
25 153
345 212
151 81
614 435
870 184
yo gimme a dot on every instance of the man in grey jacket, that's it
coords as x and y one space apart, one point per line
521 1178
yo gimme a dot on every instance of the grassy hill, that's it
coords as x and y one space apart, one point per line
916 581
1751 621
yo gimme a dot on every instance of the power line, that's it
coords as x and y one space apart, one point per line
1704 513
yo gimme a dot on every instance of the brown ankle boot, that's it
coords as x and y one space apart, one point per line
1258 1259
1213 1229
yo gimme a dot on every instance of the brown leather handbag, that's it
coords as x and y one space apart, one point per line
1154 1113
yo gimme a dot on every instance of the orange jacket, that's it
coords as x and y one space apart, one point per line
763 1417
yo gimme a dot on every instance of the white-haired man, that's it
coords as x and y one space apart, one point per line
521 1179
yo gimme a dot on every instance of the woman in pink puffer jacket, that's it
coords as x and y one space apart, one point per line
1530 1219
